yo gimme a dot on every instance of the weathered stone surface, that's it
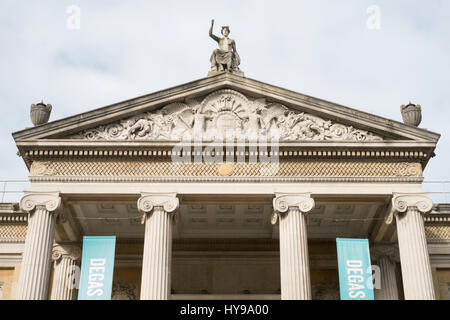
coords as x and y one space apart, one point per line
225 58
226 114
168 168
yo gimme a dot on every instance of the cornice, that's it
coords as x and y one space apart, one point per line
306 150
14 218
252 87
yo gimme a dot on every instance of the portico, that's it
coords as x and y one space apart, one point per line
262 225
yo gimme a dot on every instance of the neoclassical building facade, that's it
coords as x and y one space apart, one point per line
225 188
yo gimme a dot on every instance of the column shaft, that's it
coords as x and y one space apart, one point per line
388 290
155 284
36 261
414 258
294 259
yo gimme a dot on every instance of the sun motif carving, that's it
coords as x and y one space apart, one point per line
225 114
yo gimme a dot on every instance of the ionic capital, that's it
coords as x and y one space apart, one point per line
420 201
49 200
60 251
148 201
285 201
389 251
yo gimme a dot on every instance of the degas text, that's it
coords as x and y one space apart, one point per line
355 278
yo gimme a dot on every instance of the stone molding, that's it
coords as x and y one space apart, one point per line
286 201
32 200
60 251
168 168
184 179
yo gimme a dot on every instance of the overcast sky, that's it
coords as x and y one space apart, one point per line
130 48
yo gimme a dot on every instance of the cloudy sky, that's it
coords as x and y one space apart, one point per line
325 48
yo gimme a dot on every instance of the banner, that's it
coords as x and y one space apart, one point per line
355 271
97 267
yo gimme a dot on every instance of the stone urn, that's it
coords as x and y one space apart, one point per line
412 114
40 113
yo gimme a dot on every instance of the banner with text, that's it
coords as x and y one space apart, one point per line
355 271
97 267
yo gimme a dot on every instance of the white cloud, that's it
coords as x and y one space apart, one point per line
321 48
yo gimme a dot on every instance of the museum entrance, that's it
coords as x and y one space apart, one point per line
225 247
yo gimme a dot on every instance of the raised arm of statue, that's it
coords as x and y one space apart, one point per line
216 38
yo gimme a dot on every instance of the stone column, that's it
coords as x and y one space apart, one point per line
386 257
294 260
156 264
414 258
65 259
35 268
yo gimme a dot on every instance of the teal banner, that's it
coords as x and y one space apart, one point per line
355 271
97 267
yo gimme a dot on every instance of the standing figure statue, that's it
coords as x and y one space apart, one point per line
226 57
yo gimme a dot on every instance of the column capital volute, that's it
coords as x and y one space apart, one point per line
168 201
49 200
70 251
284 201
420 201
383 250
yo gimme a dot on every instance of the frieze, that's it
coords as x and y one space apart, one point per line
226 114
154 168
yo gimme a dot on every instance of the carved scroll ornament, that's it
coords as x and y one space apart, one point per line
225 114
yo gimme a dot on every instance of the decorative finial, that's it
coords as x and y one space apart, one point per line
40 113
411 114
225 58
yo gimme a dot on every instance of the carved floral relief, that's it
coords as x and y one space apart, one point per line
226 114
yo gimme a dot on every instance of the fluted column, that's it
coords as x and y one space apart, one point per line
156 263
414 258
35 268
294 260
65 258
386 257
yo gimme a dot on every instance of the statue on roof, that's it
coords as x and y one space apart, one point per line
225 58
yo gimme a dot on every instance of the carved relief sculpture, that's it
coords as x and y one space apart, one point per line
226 114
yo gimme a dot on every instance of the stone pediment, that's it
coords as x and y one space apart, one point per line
226 106
225 114
167 114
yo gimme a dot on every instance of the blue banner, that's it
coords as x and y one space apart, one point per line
355 271
97 267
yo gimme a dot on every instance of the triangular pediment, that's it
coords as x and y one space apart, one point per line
225 114
214 106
